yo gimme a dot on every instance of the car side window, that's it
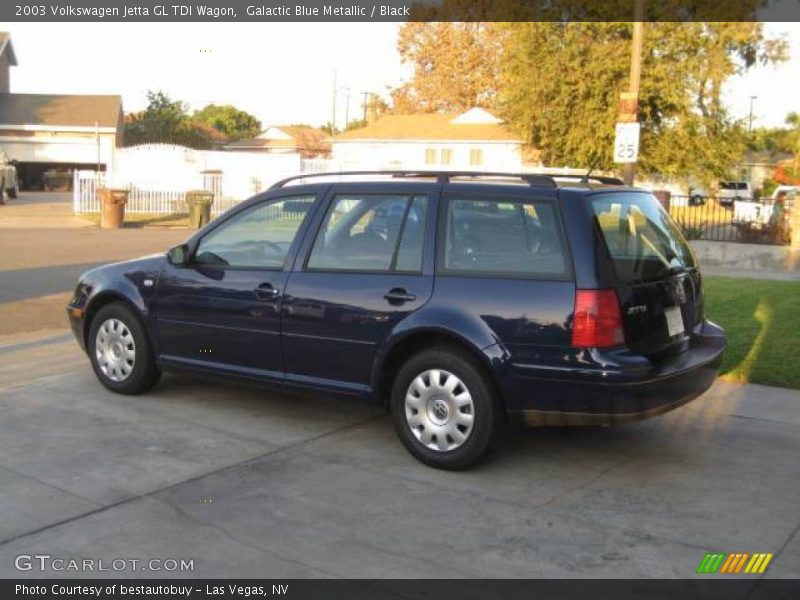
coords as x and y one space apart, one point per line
371 233
259 237
502 237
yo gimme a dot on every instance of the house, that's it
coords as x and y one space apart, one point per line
309 142
759 166
473 140
55 131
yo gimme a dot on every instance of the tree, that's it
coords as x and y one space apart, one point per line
330 129
558 84
454 67
574 76
165 121
235 124
793 120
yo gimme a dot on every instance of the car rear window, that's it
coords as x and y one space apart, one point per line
642 240
485 236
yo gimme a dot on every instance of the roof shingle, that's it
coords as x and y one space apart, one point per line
60 110
428 127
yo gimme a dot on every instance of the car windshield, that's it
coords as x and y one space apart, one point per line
642 240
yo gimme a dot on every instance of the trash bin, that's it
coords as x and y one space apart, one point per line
663 196
199 202
112 208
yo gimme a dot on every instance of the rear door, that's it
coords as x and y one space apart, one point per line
361 274
657 281
502 255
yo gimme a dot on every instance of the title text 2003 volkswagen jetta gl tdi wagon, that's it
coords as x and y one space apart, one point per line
459 300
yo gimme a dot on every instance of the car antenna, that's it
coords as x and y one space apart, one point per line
591 168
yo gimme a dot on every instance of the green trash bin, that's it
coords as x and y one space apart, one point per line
199 202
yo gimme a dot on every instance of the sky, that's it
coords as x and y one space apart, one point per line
280 72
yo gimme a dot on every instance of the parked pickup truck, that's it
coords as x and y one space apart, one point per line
9 184
757 214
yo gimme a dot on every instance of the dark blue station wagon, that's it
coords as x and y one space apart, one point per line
458 300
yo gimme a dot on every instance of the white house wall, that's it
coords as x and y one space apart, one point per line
175 168
411 155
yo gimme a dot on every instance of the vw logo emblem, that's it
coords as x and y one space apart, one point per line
439 411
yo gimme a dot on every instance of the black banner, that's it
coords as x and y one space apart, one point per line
740 588
395 10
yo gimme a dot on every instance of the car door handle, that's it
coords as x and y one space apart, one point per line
267 291
398 296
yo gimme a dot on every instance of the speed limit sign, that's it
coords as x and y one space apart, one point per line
626 143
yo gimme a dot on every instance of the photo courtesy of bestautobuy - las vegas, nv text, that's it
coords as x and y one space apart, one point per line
465 299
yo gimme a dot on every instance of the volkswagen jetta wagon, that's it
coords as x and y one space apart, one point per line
459 300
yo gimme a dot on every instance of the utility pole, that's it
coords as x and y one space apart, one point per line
366 100
750 119
347 108
97 139
629 107
333 117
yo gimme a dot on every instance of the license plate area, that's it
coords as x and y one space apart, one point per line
674 321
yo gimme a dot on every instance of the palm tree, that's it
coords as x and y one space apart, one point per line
793 120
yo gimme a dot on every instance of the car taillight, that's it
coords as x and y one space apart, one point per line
597 322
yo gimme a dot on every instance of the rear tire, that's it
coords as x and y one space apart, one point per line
120 351
445 409
14 191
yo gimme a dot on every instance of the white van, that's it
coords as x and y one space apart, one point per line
731 191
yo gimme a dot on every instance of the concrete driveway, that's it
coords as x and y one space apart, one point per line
252 484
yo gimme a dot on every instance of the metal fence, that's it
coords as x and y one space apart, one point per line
751 222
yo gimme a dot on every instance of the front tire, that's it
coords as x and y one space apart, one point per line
445 409
120 351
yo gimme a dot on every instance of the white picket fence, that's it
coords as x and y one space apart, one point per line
152 198
143 199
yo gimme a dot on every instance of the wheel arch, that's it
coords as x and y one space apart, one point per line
402 347
104 298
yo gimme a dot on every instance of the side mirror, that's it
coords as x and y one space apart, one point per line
178 255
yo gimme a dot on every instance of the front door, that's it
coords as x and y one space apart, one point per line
222 309
363 274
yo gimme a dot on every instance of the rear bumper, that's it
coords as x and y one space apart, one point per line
619 393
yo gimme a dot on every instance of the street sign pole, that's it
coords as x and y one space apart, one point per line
629 102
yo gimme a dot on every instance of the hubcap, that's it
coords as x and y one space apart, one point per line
115 350
439 410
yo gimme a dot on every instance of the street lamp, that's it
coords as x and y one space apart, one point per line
750 118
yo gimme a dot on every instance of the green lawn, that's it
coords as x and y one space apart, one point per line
762 319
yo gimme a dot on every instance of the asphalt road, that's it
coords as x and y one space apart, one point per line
252 484
34 262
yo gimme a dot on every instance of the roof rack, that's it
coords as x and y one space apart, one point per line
443 177
587 178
